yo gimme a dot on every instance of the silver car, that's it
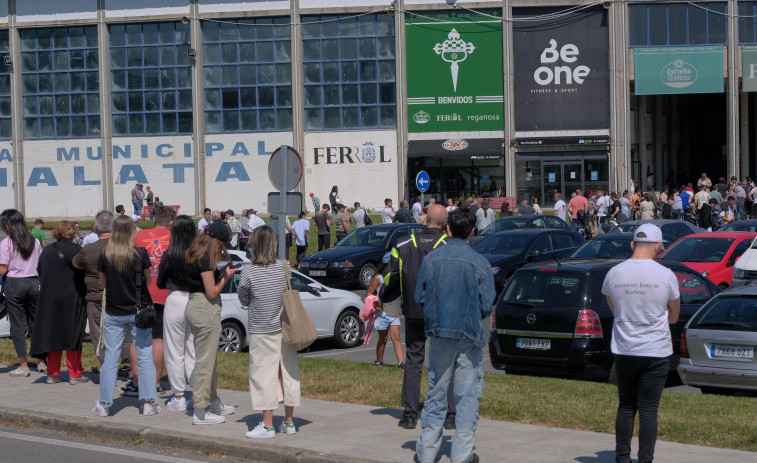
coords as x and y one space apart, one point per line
335 313
718 343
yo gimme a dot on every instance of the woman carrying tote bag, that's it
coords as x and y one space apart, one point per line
273 364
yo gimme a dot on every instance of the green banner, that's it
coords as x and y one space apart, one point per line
749 69
670 70
454 71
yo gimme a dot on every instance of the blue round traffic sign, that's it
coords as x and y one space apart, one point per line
422 181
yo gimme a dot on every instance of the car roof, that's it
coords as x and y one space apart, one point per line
749 289
392 226
588 265
532 231
721 234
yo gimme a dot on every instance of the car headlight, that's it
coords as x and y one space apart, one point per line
343 264
738 273
705 273
305 264
495 270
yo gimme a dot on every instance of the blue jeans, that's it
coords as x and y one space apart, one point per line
137 207
114 330
444 356
740 213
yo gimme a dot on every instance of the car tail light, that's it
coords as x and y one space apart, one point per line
551 270
588 325
494 317
684 346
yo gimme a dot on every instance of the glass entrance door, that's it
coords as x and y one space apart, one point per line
553 183
572 179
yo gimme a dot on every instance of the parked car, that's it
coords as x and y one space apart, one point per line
711 254
718 344
518 222
745 268
508 251
334 313
552 318
615 246
741 225
676 228
353 261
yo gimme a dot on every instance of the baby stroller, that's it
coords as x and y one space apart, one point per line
581 225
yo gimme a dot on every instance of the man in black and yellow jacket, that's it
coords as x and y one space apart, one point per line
402 275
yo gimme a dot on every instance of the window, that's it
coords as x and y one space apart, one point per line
60 82
349 72
546 290
563 241
693 288
151 79
747 20
670 24
543 244
5 88
247 73
299 283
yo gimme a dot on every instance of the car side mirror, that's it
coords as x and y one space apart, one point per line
315 288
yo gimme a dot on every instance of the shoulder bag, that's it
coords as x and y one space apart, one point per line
297 327
366 218
146 315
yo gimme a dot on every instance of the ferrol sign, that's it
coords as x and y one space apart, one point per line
748 69
671 70
454 72
561 73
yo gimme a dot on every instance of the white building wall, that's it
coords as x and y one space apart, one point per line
224 6
125 9
165 164
7 176
62 178
363 164
53 10
236 169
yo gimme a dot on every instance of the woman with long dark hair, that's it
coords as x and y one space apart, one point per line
273 363
19 256
178 342
118 267
61 314
203 315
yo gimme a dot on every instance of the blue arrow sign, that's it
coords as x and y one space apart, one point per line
422 181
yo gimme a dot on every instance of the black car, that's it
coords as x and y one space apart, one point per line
508 251
552 318
353 260
676 228
518 222
614 246
741 225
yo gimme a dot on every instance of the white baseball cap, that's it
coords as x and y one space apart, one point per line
135 217
648 233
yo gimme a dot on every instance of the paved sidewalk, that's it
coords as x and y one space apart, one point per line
328 431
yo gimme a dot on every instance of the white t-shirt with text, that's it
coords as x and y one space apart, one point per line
640 290
560 207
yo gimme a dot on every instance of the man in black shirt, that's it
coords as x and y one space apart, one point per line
404 215
321 220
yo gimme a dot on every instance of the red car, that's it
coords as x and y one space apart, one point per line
711 254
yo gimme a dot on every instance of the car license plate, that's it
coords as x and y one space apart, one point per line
532 343
734 352
318 273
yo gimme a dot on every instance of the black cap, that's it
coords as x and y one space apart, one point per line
218 231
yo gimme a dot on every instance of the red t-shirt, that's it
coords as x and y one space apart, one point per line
155 240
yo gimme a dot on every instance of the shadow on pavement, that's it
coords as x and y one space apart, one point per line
605 456
393 412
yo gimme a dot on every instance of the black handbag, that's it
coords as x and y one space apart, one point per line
146 315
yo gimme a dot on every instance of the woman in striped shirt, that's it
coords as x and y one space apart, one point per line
272 362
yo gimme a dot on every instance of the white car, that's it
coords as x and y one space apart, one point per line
335 313
745 269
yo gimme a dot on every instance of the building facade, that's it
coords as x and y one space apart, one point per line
521 98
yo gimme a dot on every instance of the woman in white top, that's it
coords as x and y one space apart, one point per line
535 205
484 215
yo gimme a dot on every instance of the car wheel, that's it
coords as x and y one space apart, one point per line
348 331
367 272
232 338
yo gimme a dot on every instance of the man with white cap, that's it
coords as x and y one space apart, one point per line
644 298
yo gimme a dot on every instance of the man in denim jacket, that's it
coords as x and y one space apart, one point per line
456 290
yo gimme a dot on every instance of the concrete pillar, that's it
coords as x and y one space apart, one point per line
644 137
511 188
732 101
198 120
106 126
17 121
660 138
401 89
674 152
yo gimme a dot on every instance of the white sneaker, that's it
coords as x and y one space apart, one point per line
206 417
287 428
219 408
150 408
260 432
100 409
176 404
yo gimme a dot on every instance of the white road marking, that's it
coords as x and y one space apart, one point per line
95 448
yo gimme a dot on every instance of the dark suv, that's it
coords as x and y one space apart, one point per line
552 318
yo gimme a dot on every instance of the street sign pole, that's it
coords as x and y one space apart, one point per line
283 203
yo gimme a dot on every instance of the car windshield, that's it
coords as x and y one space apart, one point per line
724 313
625 228
604 249
699 249
503 244
366 236
502 225
546 290
740 226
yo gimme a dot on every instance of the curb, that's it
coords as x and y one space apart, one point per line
247 450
